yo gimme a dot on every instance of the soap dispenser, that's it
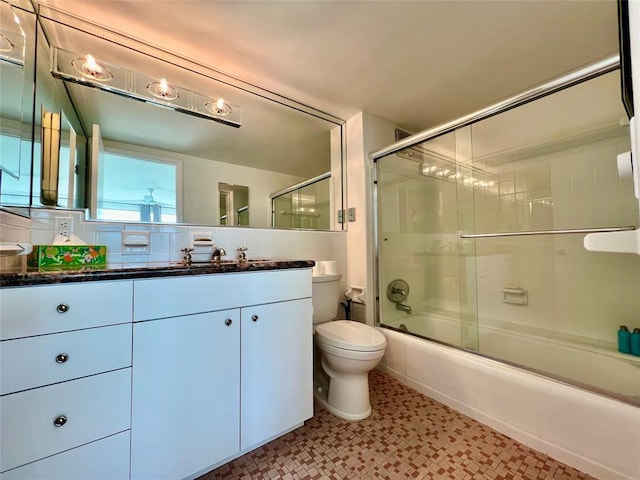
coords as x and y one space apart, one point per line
624 339
635 342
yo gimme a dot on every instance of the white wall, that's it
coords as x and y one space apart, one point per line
200 190
366 133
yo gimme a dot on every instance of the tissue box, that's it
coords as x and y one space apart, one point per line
67 257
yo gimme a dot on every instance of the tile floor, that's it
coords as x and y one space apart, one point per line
408 435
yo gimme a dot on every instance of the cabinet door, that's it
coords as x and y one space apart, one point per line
186 388
276 359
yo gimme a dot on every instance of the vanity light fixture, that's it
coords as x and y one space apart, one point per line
89 71
468 179
92 69
13 43
444 169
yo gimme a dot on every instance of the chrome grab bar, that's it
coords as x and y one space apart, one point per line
548 232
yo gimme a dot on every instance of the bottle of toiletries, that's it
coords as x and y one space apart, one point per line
624 339
635 342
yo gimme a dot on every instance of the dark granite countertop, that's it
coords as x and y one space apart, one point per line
31 276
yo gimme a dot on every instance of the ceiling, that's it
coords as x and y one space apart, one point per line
414 63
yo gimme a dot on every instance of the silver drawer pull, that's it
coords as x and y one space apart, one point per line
254 318
60 421
228 322
62 358
62 308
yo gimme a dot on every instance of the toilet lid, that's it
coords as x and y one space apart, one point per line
350 335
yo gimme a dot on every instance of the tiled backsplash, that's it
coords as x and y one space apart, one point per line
166 241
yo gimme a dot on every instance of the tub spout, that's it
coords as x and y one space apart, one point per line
405 308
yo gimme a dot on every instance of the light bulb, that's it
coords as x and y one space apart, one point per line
92 69
218 107
164 86
163 90
92 66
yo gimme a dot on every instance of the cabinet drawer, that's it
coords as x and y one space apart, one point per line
170 297
45 309
106 459
95 407
35 361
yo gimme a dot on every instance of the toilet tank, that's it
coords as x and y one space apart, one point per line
325 294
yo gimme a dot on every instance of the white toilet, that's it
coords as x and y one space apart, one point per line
349 350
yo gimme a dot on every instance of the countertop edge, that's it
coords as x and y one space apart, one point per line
30 277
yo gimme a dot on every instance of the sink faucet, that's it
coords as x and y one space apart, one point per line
242 254
218 253
405 308
187 254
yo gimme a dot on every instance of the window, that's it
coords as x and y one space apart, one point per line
135 189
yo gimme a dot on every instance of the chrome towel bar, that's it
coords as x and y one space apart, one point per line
548 232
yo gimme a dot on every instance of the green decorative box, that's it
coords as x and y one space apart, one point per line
67 257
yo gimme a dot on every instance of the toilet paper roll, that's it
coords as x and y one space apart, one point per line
330 267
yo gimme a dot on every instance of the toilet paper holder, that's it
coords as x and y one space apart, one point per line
356 294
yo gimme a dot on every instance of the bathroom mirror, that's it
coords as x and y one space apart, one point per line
22 129
278 144
234 204
17 63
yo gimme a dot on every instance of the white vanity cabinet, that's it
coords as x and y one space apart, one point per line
222 364
65 381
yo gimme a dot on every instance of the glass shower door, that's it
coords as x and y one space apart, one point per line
426 286
481 238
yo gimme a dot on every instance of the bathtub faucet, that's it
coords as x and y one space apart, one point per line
399 291
405 308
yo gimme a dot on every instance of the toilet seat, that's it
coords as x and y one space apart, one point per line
350 354
350 335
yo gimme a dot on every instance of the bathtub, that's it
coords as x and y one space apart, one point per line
594 433
573 361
